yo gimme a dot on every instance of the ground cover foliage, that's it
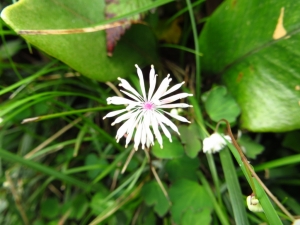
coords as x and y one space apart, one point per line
59 160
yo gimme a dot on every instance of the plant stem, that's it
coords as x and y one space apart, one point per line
253 173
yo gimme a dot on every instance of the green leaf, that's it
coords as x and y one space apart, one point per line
234 189
189 136
117 8
187 196
85 52
264 200
153 195
259 70
202 217
42 168
10 48
291 140
251 148
98 203
220 105
79 206
183 167
93 159
50 208
170 150
147 218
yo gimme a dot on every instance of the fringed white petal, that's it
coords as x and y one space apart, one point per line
162 88
175 97
152 82
156 131
177 117
122 130
142 83
114 113
150 139
168 122
128 87
116 100
174 88
133 105
137 137
122 118
144 134
171 106
134 120
131 95
165 130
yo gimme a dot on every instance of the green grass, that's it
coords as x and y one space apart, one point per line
59 160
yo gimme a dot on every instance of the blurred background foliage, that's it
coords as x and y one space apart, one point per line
238 58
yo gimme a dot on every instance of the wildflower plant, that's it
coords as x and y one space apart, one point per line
57 158
147 110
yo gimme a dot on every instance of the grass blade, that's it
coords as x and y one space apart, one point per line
234 189
43 169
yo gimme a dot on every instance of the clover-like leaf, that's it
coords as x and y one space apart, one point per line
190 138
170 150
200 217
251 148
182 168
221 105
85 52
50 208
254 46
187 196
93 159
153 195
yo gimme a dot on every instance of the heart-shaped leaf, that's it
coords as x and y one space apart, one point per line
254 45
85 52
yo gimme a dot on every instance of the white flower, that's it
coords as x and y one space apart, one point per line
145 111
214 143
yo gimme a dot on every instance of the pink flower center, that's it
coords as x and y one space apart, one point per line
148 106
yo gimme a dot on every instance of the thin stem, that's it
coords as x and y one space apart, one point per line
120 203
213 170
54 136
156 175
197 49
16 198
253 173
128 160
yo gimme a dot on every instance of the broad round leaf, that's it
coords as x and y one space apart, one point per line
254 45
182 168
50 208
191 139
85 52
170 150
250 147
153 195
220 105
186 196
199 217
